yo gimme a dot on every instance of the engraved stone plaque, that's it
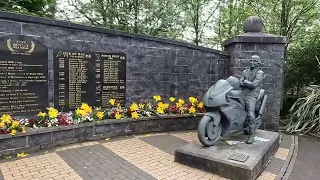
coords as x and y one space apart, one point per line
91 77
239 157
74 79
110 78
23 75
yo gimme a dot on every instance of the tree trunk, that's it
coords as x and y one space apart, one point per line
136 13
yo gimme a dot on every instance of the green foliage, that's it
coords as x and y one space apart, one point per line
305 112
152 17
43 8
302 66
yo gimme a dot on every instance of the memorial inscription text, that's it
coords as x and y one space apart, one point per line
89 77
23 75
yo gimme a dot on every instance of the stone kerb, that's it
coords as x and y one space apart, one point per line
44 138
270 48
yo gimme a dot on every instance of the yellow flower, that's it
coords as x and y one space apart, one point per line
157 97
13 132
181 109
163 106
179 105
134 107
2 125
53 113
141 105
134 115
100 115
51 109
6 118
193 100
118 115
86 108
41 114
112 101
160 110
172 99
181 101
192 110
200 105
97 108
22 155
81 112
23 129
15 124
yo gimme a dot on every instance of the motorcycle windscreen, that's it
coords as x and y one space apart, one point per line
216 95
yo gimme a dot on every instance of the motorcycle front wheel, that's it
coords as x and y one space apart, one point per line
208 133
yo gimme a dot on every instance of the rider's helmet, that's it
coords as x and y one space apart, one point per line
234 82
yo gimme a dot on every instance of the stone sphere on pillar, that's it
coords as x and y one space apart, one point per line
252 24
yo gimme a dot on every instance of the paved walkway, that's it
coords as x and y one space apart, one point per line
141 157
306 166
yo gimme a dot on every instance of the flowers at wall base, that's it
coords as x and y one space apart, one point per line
86 108
52 112
112 101
6 118
192 110
157 98
134 107
193 100
100 115
80 113
118 115
135 115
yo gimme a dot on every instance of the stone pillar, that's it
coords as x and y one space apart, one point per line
270 48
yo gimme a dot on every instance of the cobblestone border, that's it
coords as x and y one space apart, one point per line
45 138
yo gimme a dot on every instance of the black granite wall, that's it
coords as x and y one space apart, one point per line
154 65
160 66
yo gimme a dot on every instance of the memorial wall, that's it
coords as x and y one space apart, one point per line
49 63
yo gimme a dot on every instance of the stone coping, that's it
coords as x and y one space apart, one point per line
263 38
65 24
47 137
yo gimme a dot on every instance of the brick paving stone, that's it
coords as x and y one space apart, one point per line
187 136
97 162
166 143
151 159
47 166
282 153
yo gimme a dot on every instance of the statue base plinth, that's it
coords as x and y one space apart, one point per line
237 162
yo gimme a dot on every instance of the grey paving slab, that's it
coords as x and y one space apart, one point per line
307 163
98 162
166 143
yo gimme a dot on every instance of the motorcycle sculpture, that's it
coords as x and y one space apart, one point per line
226 113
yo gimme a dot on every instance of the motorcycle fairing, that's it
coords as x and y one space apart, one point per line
235 117
216 95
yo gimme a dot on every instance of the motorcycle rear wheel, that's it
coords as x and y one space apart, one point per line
208 133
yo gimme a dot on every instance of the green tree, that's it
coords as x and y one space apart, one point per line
199 17
152 17
43 8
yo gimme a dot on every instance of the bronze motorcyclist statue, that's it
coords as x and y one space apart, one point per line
251 84
234 105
